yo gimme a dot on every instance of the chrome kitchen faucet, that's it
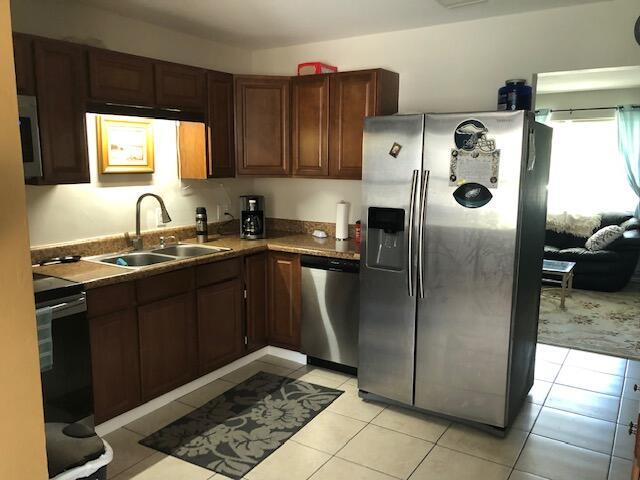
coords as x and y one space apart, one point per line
137 240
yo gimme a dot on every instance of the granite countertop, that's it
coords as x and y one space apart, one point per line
95 274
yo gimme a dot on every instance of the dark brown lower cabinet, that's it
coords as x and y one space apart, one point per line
158 333
115 363
255 275
220 332
284 300
168 344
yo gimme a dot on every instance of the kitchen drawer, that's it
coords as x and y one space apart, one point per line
217 272
113 298
165 285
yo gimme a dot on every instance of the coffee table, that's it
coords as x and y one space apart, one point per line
556 271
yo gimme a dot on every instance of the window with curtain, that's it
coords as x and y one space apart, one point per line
587 175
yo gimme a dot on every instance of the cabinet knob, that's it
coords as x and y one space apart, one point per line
633 429
635 387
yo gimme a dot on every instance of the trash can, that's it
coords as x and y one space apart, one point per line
76 452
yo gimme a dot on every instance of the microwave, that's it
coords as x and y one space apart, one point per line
29 136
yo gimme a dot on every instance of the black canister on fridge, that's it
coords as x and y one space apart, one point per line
515 95
202 229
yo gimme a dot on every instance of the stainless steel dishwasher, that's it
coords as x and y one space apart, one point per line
330 311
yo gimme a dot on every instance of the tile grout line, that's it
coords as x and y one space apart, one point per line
447 428
475 456
617 414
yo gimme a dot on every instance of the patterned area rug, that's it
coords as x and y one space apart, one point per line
602 322
234 432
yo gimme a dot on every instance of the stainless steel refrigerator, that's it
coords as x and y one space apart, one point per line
453 220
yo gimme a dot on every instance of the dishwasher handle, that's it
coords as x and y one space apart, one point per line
333 264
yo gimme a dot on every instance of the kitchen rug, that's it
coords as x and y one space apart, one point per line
234 432
601 322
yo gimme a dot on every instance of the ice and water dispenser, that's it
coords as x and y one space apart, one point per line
385 240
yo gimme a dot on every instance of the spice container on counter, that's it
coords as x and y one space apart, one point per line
358 231
202 228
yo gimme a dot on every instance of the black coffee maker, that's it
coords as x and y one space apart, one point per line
252 219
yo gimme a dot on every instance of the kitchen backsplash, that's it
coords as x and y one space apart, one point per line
151 238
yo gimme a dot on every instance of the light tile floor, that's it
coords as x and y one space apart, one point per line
573 426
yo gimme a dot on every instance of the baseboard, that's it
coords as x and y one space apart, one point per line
287 354
128 417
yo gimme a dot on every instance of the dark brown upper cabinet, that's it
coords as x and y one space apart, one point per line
221 152
206 150
180 86
192 150
310 125
61 90
23 60
262 125
120 78
354 96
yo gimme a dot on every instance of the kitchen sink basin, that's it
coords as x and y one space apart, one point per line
137 259
187 251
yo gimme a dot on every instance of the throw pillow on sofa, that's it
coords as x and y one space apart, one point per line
604 237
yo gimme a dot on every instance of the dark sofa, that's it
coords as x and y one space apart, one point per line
604 270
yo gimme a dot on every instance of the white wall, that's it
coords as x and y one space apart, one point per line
106 206
459 67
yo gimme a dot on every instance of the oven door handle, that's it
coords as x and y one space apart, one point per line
69 308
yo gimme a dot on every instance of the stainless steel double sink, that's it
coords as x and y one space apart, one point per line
159 255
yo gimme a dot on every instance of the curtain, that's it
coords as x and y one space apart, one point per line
629 147
543 115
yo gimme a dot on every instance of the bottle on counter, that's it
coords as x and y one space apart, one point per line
358 231
202 227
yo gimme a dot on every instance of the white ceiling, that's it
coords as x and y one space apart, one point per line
583 80
271 23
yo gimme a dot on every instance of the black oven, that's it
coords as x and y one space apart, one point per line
65 351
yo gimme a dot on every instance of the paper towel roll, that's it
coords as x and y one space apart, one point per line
342 221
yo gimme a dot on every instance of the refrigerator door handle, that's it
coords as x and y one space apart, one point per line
423 202
412 201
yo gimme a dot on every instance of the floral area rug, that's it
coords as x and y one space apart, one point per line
234 432
602 322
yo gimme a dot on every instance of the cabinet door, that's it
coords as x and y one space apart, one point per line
168 356
310 125
120 78
222 161
115 364
220 332
262 125
192 150
180 86
353 97
23 60
61 90
284 300
255 272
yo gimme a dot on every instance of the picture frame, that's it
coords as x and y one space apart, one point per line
125 144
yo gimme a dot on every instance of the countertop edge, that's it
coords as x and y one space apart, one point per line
263 246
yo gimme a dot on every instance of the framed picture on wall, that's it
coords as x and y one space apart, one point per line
125 144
